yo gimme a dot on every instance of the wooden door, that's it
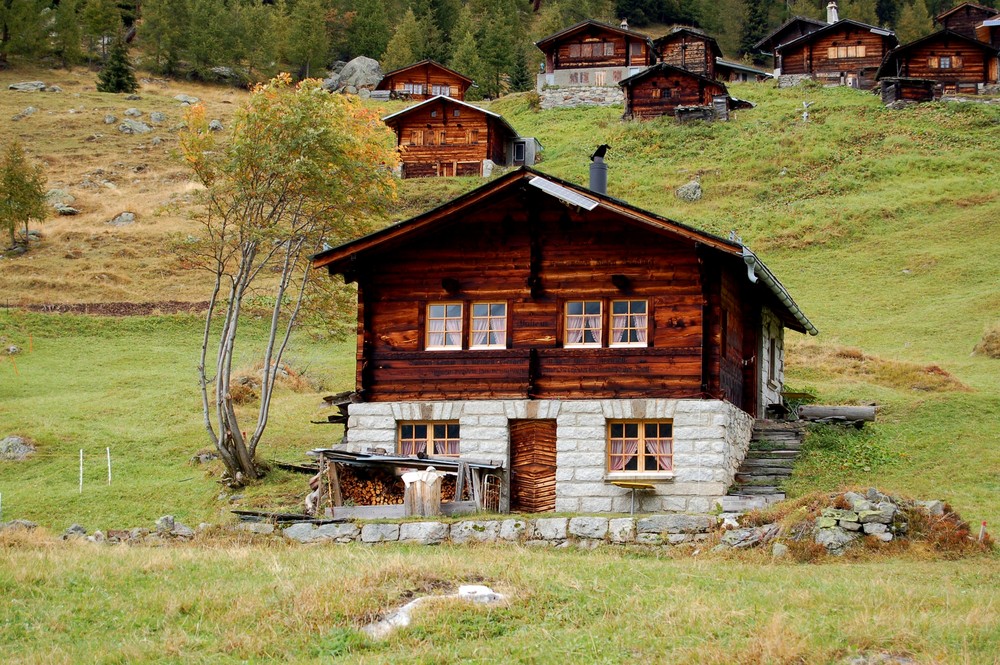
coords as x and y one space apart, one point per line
532 466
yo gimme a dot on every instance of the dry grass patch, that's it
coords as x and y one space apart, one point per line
854 364
989 345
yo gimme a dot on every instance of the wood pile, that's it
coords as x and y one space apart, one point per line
369 487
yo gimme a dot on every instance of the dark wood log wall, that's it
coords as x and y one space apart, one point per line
533 253
813 56
469 138
428 76
970 65
661 93
563 54
688 52
914 90
965 20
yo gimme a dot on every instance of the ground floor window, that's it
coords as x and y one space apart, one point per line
431 439
640 446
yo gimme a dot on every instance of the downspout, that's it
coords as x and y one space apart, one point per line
754 273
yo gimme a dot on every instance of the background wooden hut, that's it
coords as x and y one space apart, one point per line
989 31
423 80
792 29
729 71
660 89
690 49
846 53
959 64
965 17
592 53
447 137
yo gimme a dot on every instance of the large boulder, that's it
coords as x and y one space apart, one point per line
129 126
27 86
359 73
15 449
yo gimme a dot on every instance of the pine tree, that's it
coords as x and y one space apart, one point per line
163 32
117 74
754 28
22 192
521 79
369 33
68 34
406 43
101 19
862 11
310 44
25 28
465 60
914 22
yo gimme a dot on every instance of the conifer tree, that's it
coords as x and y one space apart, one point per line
66 25
22 192
754 28
309 42
163 32
117 74
24 28
465 60
914 22
521 79
370 32
101 19
406 43
859 10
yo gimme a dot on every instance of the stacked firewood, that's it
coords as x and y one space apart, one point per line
370 487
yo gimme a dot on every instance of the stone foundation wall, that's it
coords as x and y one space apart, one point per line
792 80
571 97
710 440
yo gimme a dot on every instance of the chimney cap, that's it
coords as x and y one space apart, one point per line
832 15
624 24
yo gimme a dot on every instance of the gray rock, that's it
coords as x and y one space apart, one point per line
31 110
132 97
379 533
215 125
53 88
482 531
850 526
123 219
27 86
18 525
97 537
675 524
261 528
165 524
858 501
649 538
157 116
341 533
186 99
130 126
621 529
513 530
835 540
15 448
423 533
750 537
361 72
350 89
841 515
54 196
551 528
779 550
64 209
182 530
300 531
133 112
882 514
74 531
934 508
690 192
595 528
336 68
875 527
110 119
156 140
364 93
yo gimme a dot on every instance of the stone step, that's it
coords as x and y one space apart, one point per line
775 445
760 478
757 490
741 503
765 472
772 454
762 462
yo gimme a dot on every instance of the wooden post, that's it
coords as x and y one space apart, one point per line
108 449
460 480
423 493
81 470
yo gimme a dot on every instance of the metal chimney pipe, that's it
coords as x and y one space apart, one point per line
831 12
598 176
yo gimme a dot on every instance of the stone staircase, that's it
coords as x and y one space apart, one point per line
774 446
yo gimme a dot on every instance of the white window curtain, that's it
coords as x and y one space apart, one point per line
436 336
411 447
480 331
619 325
661 449
639 322
574 326
593 324
446 447
623 451
453 327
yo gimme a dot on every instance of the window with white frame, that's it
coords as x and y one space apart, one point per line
444 326
583 323
444 90
430 438
640 446
489 325
629 323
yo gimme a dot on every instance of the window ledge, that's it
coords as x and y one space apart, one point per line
653 476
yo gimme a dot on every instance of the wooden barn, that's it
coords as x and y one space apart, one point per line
690 49
845 52
447 137
575 339
965 18
662 88
592 53
959 64
423 80
790 30
738 72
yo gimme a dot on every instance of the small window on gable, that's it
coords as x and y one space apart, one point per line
609 48
434 114
456 113
655 93
640 446
636 48
472 136
442 137
489 325
629 322
435 439
583 323
444 326
574 50
416 137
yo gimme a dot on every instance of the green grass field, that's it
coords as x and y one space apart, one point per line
882 224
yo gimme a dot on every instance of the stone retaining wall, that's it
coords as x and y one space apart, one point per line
541 532
792 80
571 97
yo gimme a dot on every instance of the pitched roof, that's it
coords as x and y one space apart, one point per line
972 5
582 25
781 28
338 260
681 29
739 66
392 117
839 24
428 61
899 51
669 69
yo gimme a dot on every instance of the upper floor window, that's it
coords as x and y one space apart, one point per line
840 52
944 62
433 439
629 323
636 48
444 326
444 90
609 48
640 446
489 325
584 320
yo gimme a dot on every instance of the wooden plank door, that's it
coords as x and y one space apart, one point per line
532 466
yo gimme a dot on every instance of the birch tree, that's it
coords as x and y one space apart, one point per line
301 167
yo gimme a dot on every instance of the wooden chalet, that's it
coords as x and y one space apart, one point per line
447 137
738 72
592 53
662 88
958 64
842 53
965 18
790 30
690 49
989 31
576 339
423 80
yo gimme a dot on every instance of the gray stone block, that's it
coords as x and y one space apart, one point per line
423 533
675 524
379 533
300 531
567 504
341 532
621 529
649 539
875 527
595 528
262 528
483 531
551 528
596 504
513 530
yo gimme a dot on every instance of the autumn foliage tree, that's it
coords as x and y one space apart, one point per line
301 167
